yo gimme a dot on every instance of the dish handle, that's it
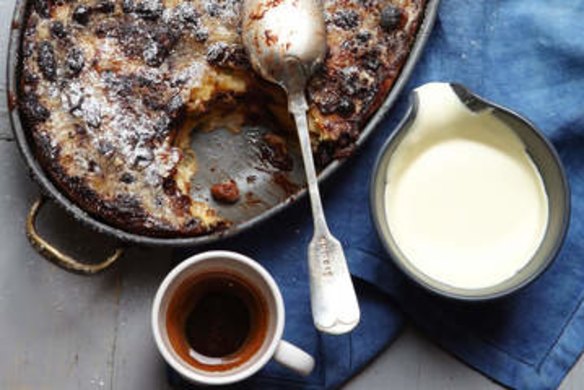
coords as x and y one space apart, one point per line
54 255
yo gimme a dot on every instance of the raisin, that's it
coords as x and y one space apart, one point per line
187 14
238 58
213 9
75 61
201 35
169 186
33 110
92 166
149 9
363 36
351 46
346 107
123 86
346 19
222 55
154 54
223 8
81 14
161 45
217 53
349 80
390 18
127 178
371 60
46 60
133 39
328 103
128 6
58 30
153 100
42 7
105 6
144 157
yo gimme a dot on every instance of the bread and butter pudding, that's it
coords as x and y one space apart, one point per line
110 92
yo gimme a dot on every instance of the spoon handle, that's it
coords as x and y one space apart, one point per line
335 309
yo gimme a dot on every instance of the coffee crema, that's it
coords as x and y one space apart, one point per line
216 321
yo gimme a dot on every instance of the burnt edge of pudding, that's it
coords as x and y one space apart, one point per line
109 92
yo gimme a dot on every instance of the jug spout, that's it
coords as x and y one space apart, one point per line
440 104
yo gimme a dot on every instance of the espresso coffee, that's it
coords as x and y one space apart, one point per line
216 321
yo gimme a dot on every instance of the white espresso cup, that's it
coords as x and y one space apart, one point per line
269 344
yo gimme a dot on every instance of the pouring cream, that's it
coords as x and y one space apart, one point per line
464 202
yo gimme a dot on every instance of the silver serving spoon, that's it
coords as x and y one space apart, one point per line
286 41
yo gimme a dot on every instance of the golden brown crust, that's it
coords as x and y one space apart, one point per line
107 88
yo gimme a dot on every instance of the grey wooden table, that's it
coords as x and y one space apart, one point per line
62 331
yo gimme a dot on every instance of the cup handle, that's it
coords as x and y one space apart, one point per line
292 357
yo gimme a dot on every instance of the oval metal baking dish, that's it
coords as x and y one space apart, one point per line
242 221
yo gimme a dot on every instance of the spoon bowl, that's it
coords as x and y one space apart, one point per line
285 40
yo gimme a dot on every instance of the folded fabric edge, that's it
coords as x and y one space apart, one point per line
567 349
475 352
373 357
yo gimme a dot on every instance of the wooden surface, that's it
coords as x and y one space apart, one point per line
62 331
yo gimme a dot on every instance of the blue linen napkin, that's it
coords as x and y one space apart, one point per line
529 56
